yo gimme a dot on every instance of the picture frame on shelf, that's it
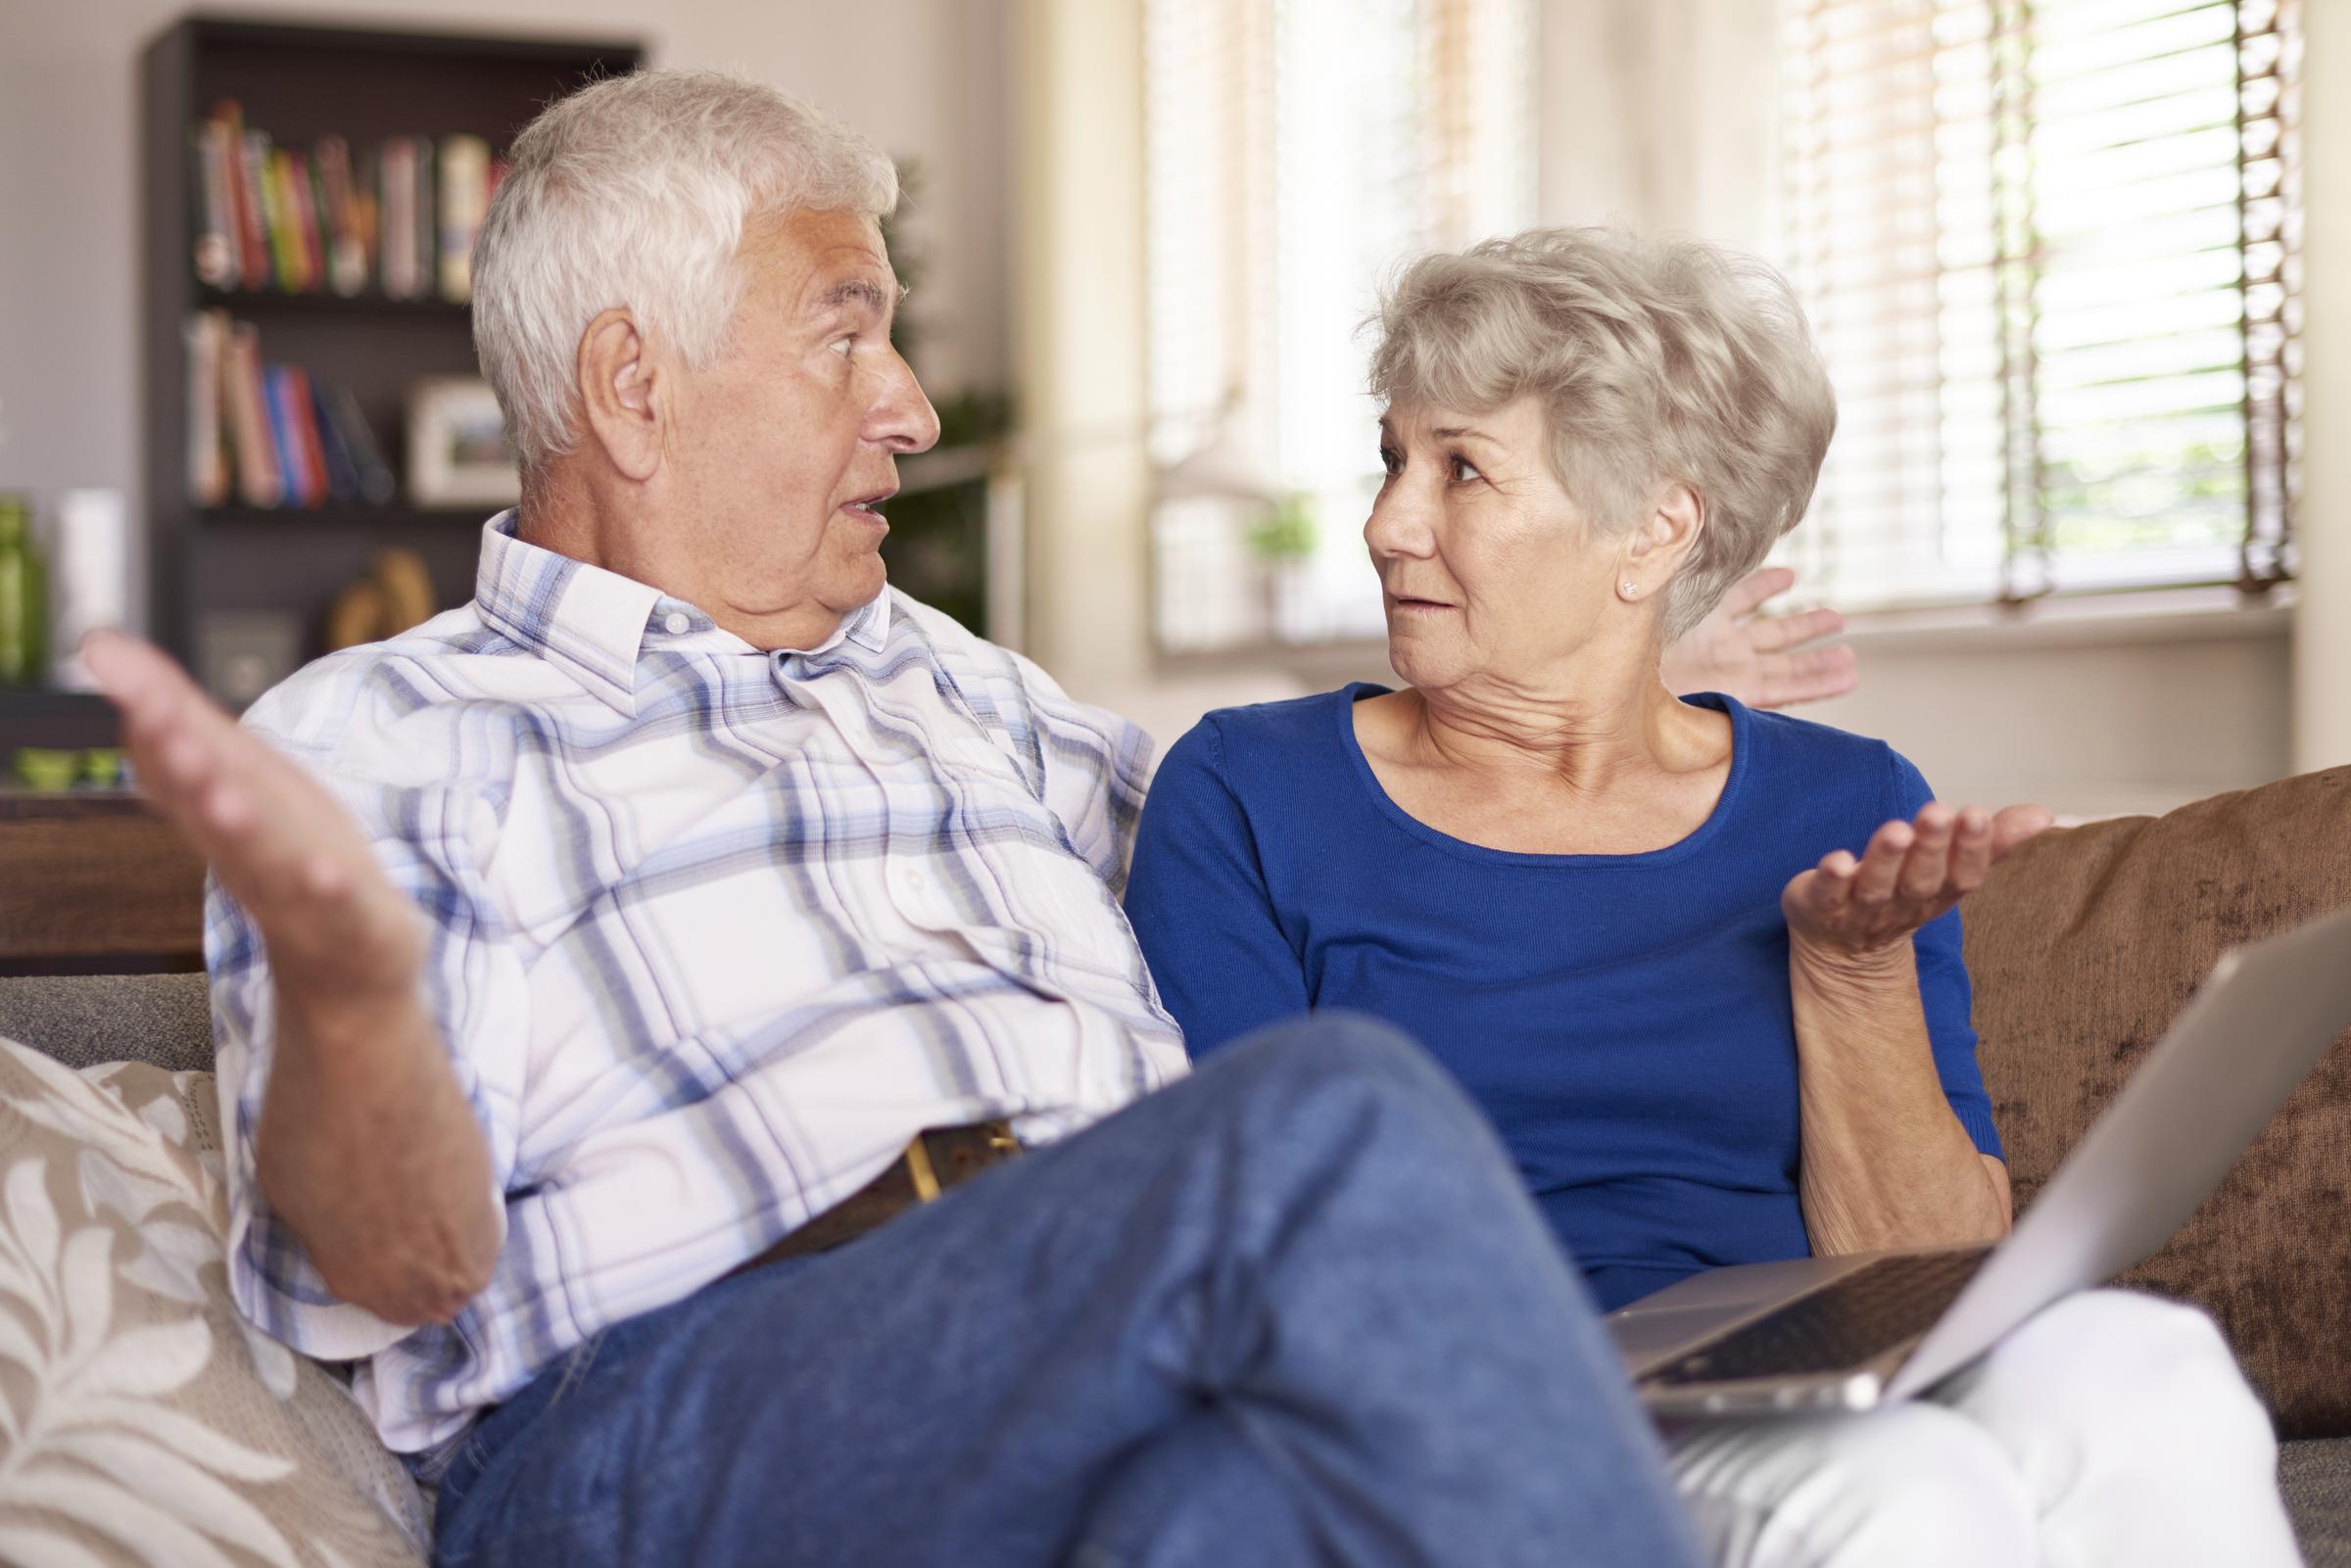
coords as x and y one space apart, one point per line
458 455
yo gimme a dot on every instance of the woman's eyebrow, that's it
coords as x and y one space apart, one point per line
1459 432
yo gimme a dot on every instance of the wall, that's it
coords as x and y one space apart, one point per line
924 77
2323 633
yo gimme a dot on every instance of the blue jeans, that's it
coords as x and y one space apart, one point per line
1296 1308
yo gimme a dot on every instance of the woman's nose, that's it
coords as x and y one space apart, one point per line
1398 524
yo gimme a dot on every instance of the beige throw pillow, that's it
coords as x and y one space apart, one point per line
142 1419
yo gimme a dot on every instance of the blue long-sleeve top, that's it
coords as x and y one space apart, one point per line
1624 1019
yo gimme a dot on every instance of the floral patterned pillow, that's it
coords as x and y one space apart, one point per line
142 1419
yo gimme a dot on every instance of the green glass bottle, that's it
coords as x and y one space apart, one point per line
23 599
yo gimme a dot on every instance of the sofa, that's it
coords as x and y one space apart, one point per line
2083 947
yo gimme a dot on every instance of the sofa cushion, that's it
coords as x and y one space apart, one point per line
143 1421
83 1020
2083 947
2316 1480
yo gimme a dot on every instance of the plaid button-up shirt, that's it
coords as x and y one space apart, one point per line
713 932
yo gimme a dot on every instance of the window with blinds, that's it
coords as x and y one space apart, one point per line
1296 150
2048 247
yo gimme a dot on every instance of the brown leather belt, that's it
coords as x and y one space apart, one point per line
937 1159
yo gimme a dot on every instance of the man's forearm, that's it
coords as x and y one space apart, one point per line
368 1152
1885 1160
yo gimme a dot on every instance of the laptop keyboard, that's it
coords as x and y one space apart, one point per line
1837 1327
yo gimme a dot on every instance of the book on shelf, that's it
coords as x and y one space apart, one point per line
403 268
375 481
399 218
465 196
260 481
209 466
219 259
271 435
347 243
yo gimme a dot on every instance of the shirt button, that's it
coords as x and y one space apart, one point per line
676 625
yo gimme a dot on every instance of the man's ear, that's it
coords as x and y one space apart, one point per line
1668 533
622 398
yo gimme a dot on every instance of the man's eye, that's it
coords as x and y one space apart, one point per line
842 346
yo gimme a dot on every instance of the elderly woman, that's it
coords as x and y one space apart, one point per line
1701 964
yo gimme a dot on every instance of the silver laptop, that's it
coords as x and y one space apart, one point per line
1847 1333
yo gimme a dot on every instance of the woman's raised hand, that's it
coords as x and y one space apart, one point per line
1910 873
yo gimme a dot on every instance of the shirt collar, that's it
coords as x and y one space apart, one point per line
593 624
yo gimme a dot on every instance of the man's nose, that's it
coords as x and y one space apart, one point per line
902 418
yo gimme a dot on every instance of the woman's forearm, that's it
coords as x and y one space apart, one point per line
1885 1161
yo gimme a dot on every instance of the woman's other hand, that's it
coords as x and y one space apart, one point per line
1909 874
1765 661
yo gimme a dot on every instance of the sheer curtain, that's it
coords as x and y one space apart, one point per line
1297 149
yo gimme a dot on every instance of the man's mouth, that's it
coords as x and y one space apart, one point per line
870 506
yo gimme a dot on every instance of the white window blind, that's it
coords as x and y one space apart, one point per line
1297 149
2048 247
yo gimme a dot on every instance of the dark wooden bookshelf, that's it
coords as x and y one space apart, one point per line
255 304
299 83
358 514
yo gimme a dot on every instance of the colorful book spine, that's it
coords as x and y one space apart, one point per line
218 260
376 483
396 169
302 414
253 206
347 250
427 243
278 217
342 473
259 479
209 463
310 219
463 170
284 445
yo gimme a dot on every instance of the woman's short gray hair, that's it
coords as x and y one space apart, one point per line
635 192
1654 358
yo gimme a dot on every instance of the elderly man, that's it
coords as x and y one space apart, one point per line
739 874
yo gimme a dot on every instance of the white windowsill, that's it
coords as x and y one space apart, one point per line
2148 615
2152 615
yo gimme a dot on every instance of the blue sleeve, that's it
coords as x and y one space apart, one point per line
1197 899
1944 989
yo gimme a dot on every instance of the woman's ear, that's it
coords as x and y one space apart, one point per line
1665 538
623 401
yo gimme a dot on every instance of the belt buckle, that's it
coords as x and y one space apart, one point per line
922 1163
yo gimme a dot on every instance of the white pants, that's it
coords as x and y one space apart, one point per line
2113 1429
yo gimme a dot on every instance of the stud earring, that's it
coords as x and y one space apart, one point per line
1631 588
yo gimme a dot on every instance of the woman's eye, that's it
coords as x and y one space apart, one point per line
1390 461
1463 469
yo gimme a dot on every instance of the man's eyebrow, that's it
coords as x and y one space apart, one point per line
863 292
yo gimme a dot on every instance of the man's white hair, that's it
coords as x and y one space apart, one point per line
634 193
1655 360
